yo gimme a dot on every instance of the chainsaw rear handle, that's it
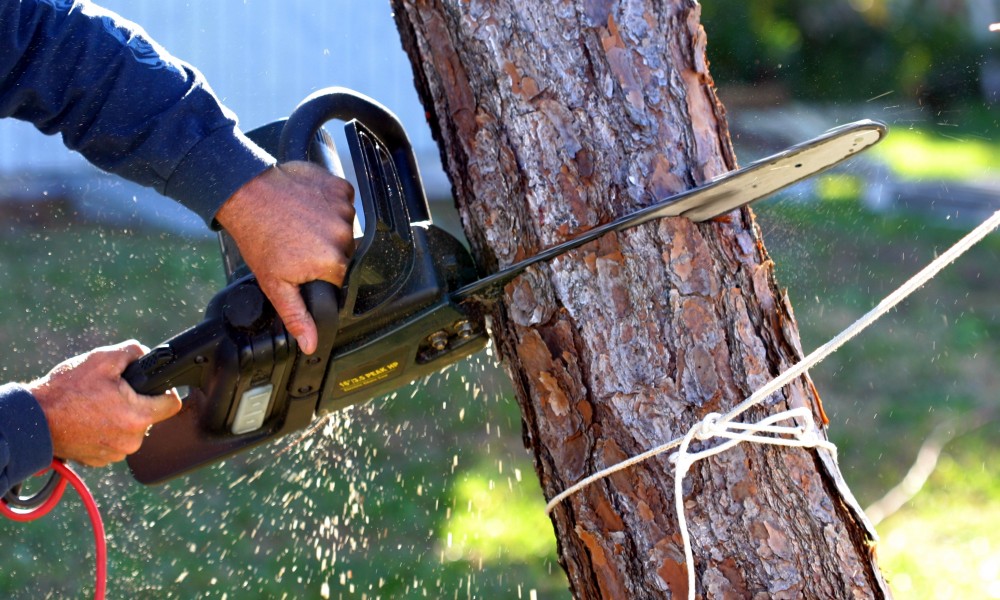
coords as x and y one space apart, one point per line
238 312
167 366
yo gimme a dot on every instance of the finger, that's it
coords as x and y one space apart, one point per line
163 407
100 458
288 303
151 408
337 271
130 347
343 199
123 354
112 457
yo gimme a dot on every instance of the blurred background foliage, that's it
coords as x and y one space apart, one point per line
931 51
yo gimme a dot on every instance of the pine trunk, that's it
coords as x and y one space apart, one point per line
557 116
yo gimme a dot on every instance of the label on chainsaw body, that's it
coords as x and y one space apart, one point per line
371 373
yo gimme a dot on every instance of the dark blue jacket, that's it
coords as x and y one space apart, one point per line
130 108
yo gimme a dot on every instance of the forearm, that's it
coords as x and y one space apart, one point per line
122 102
25 443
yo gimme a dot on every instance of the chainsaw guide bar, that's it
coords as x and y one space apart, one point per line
737 188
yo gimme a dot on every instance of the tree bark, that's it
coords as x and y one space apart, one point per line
554 117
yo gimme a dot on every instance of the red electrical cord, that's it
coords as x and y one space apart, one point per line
69 476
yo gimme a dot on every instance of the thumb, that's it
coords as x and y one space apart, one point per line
164 406
152 409
288 303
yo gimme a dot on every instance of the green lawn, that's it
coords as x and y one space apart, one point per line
920 154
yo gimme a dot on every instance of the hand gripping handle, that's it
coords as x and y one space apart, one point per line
295 143
170 364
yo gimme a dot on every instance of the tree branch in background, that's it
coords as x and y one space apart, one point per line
927 460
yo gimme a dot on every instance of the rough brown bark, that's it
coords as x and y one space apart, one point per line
554 117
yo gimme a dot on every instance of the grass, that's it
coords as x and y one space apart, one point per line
944 544
917 154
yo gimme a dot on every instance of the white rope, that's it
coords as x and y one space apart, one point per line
714 425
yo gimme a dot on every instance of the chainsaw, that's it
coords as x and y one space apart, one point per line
412 303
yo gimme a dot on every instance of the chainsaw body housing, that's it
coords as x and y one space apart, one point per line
391 323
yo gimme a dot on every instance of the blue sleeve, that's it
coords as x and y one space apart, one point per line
122 101
25 443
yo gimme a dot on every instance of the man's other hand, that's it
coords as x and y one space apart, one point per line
95 417
293 224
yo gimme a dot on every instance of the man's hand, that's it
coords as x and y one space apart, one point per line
293 224
94 416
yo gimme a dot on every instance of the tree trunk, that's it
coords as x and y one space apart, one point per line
557 116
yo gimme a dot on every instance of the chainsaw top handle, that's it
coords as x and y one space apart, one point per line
337 103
